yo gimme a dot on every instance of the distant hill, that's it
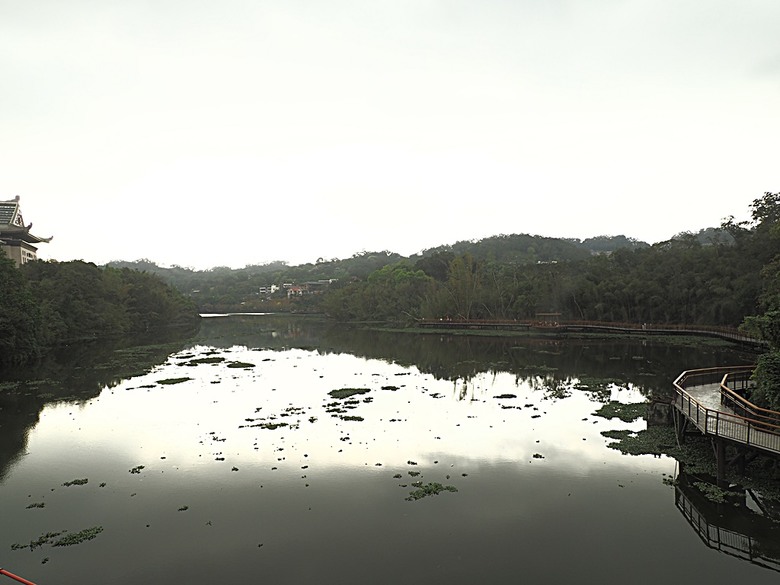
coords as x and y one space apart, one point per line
504 248
223 286
708 236
608 244
528 249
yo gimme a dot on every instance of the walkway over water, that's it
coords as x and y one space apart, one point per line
713 400
555 326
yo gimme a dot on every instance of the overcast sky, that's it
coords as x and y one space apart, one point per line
205 133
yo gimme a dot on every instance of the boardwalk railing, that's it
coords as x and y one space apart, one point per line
759 430
595 326
16 577
722 539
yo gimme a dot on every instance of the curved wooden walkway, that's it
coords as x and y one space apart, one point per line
712 400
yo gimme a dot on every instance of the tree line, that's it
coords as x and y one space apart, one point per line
46 304
723 277
713 277
686 280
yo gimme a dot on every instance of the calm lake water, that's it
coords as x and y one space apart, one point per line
249 471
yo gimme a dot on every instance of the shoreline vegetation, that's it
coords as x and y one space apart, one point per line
695 455
47 305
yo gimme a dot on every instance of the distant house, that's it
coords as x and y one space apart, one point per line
15 238
313 287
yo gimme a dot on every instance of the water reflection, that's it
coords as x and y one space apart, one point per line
550 365
255 470
73 374
546 362
733 527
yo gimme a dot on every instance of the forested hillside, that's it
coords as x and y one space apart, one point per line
226 289
45 304
716 277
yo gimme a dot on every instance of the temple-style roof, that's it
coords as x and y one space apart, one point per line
12 225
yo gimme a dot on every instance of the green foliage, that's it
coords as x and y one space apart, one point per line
223 289
716 277
395 292
20 316
624 412
767 376
44 304
766 244
712 492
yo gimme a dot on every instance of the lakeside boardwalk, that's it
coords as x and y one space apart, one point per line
552 325
718 411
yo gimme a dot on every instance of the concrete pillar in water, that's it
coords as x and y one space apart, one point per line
720 456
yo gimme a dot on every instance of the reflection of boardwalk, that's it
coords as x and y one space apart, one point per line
713 407
720 538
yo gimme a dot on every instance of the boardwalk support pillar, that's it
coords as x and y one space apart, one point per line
719 446
680 425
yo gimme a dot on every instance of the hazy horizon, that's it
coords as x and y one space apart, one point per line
240 133
418 253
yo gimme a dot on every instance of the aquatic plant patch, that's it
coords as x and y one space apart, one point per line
712 492
271 426
624 412
42 540
240 365
431 489
76 482
653 441
79 537
70 539
347 392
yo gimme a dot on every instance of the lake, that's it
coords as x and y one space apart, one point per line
454 459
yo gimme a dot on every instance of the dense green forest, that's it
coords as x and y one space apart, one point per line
46 304
716 277
692 278
225 289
